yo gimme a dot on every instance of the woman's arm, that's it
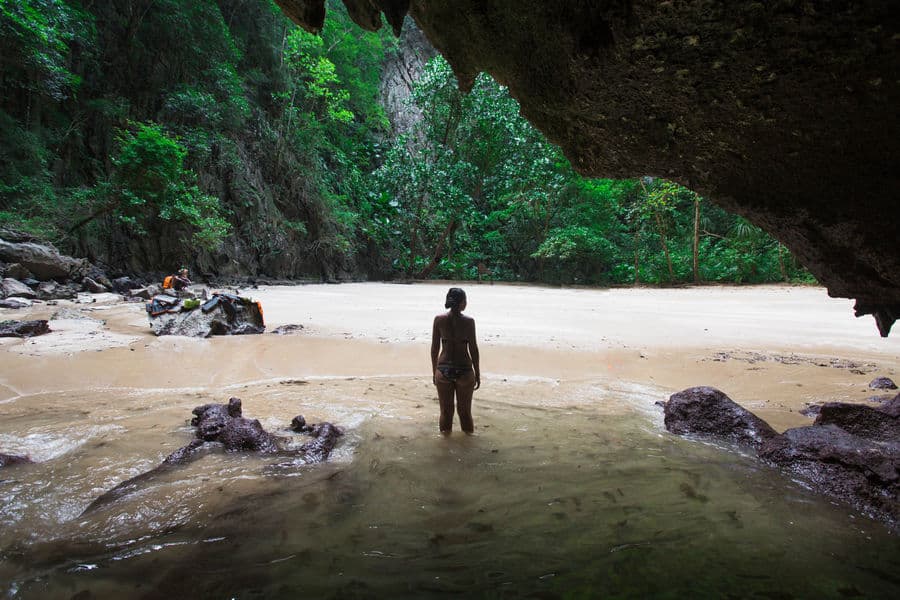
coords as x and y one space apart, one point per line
435 346
473 352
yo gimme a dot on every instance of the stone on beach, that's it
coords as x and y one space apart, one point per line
24 329
882 383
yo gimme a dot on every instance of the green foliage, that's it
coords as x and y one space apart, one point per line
149 182
36 38
149 131
523 212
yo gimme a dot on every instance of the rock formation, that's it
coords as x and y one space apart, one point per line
882 383
706 410
223 314
851 452
782 112
225 426
22 329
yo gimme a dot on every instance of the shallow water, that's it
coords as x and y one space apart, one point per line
570 489
551 499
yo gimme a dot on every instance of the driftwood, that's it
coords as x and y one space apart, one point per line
224 425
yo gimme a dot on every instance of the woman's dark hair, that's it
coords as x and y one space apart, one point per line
454 298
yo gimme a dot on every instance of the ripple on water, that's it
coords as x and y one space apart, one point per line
47 443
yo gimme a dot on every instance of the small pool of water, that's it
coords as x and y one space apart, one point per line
547 501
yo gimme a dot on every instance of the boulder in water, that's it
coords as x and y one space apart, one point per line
708 411
857 470
864 421
851 452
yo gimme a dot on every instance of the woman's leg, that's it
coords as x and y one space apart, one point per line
465 387
445 389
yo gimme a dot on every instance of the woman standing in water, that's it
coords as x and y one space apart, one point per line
454 362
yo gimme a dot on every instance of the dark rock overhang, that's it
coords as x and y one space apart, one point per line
784 112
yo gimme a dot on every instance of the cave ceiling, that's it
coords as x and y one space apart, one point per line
784 112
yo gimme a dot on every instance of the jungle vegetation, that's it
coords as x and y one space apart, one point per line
148 133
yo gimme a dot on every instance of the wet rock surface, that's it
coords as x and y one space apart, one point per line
857 470
224 423
779 112
225 427
23 329
859 419
708 411
287 329
851 452
13 459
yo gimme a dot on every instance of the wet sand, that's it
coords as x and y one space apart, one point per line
773 349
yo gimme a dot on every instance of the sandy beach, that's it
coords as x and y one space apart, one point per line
773 349
570 446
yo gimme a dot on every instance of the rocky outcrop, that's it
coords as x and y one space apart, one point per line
42 261
707 411
401 70
851 452
782 112
23 329
849 467
224 425
12 288
861 420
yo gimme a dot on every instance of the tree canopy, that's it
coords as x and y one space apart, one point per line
145 133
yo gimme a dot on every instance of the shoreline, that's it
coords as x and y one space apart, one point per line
666 339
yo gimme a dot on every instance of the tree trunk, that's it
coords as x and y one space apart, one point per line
439 250
697 240
665 245
637 249
784 275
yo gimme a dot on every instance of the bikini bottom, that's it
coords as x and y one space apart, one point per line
454 373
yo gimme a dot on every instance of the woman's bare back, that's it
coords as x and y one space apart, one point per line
456 334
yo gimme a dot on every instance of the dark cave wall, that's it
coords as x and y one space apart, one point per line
784 112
